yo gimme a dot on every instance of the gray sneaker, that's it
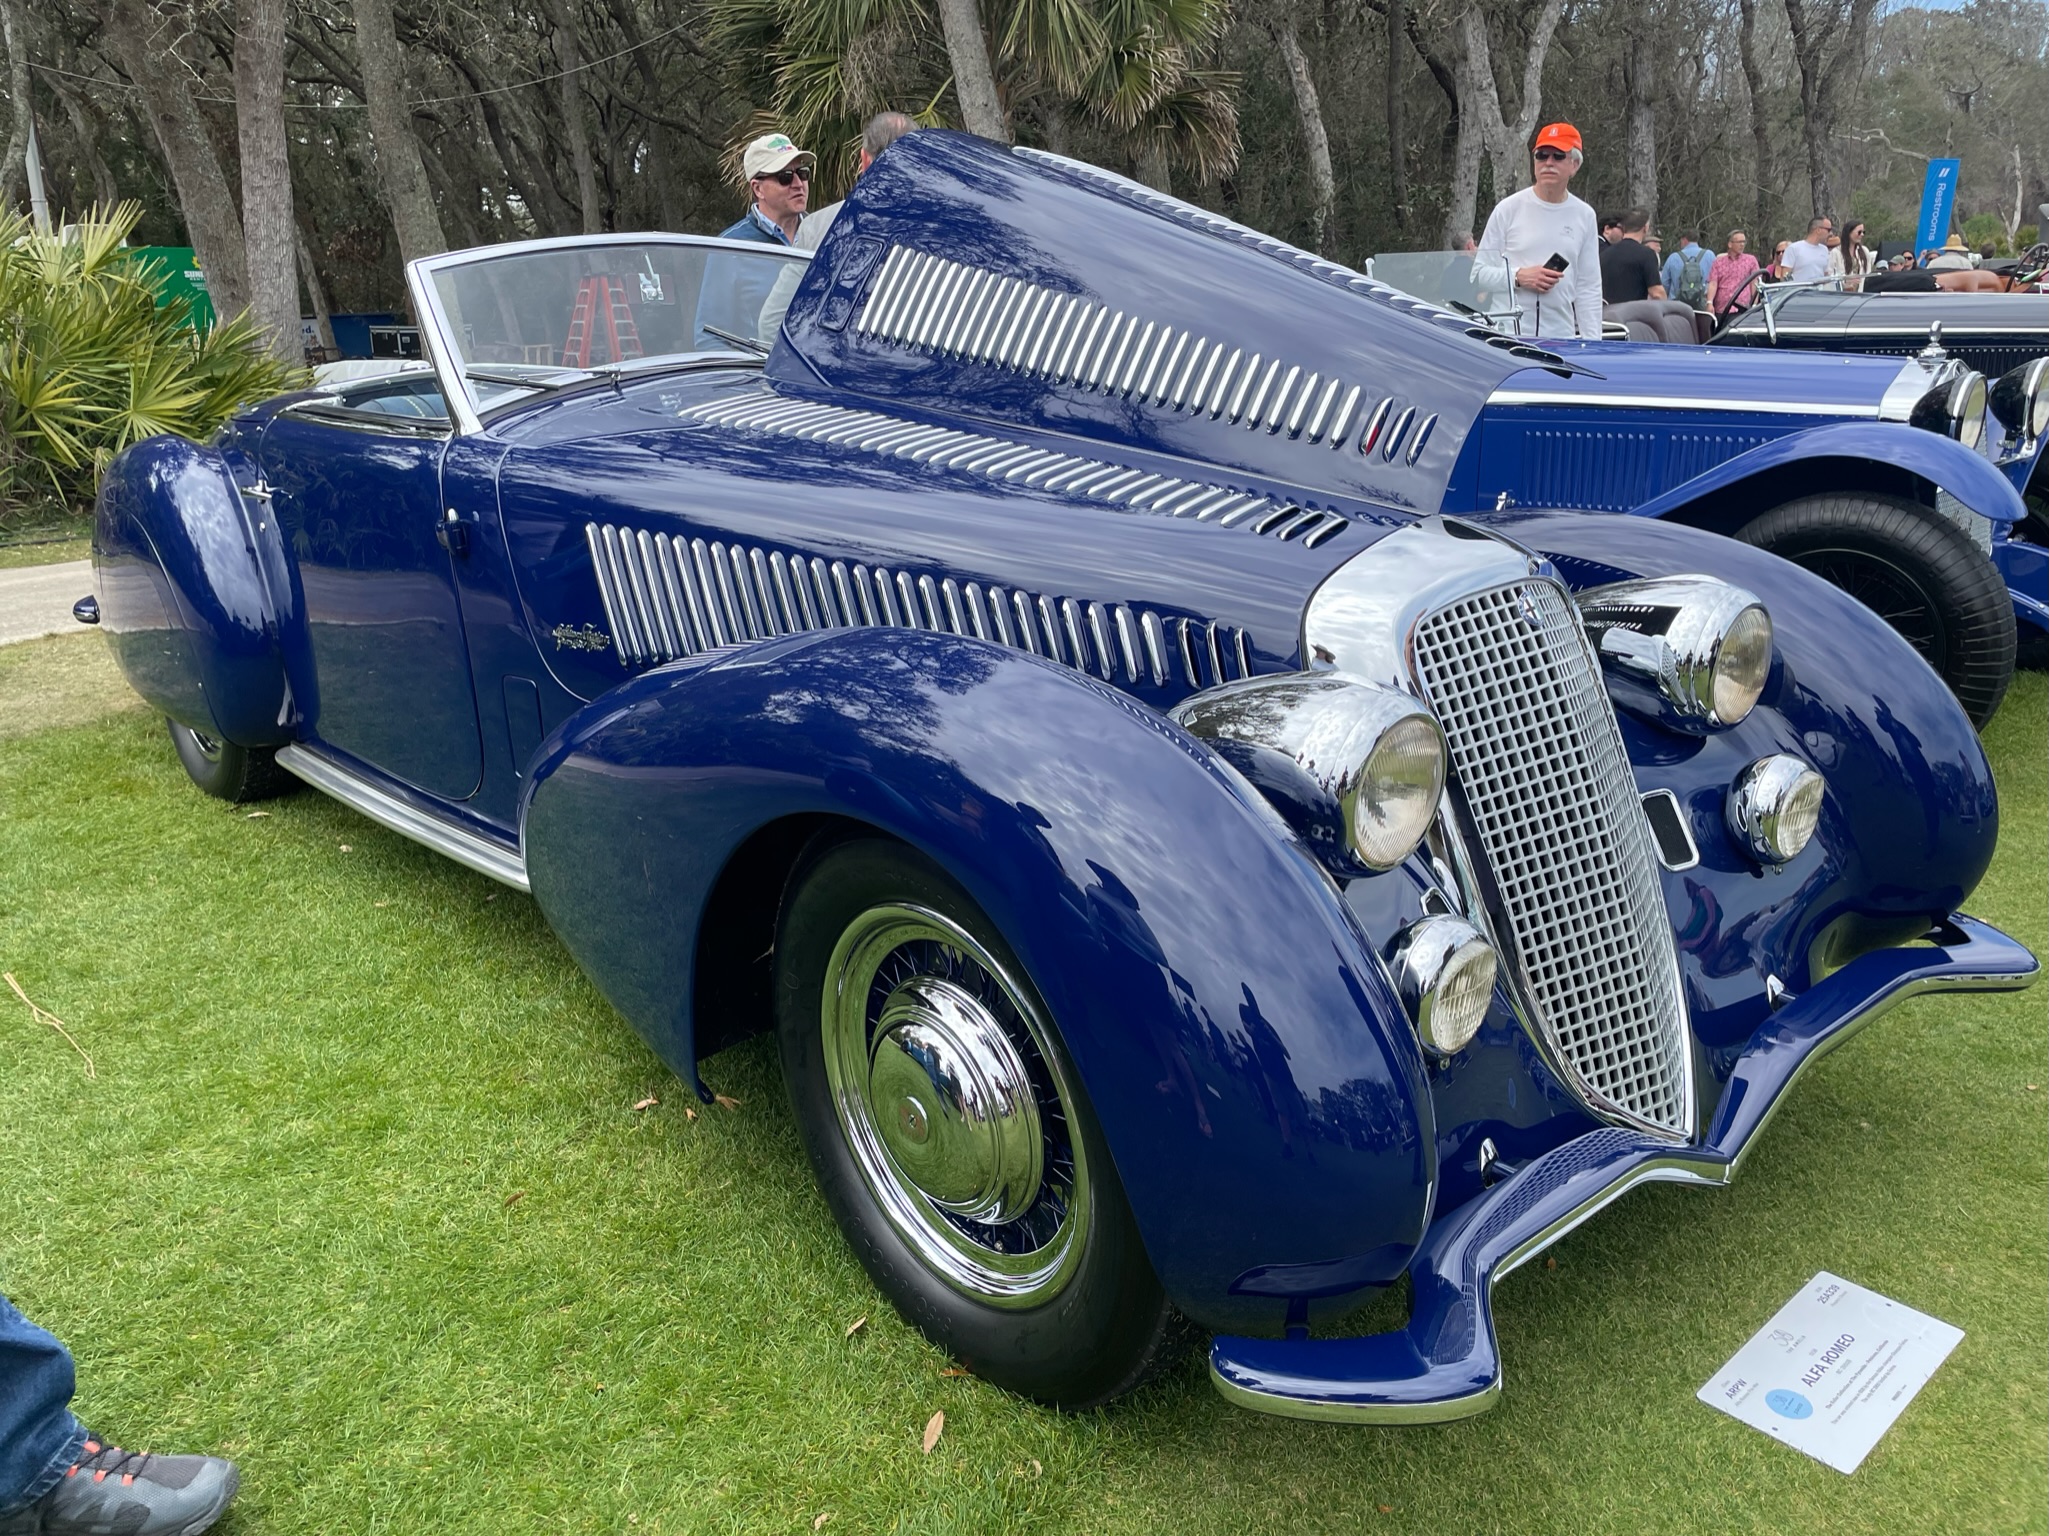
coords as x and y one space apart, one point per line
112 1492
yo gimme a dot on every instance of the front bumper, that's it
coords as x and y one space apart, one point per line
1446 1364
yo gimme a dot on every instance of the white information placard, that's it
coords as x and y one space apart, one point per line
1830 1373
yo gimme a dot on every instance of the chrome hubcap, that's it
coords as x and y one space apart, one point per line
953 1105
208 747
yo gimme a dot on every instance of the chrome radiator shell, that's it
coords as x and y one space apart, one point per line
1542 823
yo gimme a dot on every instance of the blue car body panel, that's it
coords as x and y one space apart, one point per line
1039 455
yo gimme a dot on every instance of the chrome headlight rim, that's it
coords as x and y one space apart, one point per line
1774 808
2020 399
1373 757
1955 407
1693 652
1445 971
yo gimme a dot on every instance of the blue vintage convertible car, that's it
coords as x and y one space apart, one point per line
1183 864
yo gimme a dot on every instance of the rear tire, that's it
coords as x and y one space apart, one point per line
226 771
1918 572
1001 1233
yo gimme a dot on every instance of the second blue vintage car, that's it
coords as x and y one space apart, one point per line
1746 447
1184 866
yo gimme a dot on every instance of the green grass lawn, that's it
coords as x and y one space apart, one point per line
359 1197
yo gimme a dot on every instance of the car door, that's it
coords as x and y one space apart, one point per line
355 481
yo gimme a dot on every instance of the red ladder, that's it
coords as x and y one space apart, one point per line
601 299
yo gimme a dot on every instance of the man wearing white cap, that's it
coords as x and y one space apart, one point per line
779 179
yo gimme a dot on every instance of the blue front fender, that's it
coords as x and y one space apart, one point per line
1942 462
1258 1084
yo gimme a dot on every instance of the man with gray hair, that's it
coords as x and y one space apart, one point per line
883 130
1540 247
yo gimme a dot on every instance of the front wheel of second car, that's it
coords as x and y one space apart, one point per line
1916 570
949 1133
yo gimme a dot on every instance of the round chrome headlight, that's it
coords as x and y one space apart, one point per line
1691 651
2021 399
1774 807
1955 408
1396 791
1445 972
1347 761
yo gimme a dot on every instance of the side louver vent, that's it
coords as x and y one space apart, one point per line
670 597
1015 463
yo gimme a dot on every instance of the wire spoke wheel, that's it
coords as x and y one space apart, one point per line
952 1105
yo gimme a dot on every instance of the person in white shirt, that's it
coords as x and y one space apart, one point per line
1542 244
1807 260
883 130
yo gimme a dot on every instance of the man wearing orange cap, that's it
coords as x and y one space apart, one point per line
1544 243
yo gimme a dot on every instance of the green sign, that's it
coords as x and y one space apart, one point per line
180 277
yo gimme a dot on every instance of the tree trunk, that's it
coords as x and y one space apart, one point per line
1760 124
1323 186
316 291
974 83
569 59
399 172
86 132
1397 126
1482 129
1821 76
211 222
14 169
662 154
1154 167
1639 76
266 175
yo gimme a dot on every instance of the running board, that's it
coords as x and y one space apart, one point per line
380 805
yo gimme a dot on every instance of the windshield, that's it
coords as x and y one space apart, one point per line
534 313
1438 277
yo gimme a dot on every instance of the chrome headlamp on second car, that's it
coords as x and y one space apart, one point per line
2021 402
1955 407
1356 768
1689 651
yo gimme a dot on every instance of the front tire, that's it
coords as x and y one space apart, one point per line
1918 572
226 771
949 1134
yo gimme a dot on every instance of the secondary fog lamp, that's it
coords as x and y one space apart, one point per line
1774 807
1692 652
1444 971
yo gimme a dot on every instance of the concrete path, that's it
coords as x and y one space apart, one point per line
36 599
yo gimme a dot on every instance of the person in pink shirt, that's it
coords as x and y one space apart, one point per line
1730 286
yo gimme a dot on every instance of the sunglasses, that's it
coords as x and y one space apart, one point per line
1552 154
784 178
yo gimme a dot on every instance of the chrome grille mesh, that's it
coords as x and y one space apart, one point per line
1553 805
668 597
1015 463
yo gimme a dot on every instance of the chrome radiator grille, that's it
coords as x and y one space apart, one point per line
1554 809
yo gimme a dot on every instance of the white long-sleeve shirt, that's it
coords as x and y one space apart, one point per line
1525 231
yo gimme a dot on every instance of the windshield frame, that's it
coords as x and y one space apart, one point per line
439 333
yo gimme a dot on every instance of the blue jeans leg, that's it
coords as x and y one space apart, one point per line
38 1436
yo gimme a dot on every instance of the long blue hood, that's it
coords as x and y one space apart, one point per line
1015 290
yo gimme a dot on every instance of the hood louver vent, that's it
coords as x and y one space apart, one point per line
667 598
1020 464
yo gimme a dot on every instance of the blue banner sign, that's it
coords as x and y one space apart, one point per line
1938 202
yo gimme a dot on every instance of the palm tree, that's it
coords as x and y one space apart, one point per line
1137 68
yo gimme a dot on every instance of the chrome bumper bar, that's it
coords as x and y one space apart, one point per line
1445 1364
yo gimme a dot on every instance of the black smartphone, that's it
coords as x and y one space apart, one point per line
1557 263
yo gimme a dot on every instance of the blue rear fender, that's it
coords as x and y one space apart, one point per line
192 580
1258 1084
1847 455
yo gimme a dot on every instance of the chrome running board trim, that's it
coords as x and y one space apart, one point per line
359 794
